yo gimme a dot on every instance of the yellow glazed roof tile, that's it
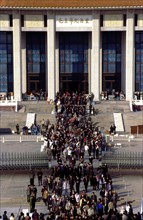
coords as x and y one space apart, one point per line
70 4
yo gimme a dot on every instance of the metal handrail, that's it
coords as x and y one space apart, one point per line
123 159
21 138
20 161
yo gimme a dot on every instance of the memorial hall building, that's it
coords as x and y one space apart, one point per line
86 46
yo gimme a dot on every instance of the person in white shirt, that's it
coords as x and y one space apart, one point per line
65 188
12 217
77 197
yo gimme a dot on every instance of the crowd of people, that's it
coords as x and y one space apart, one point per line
69 189
36 95
116 95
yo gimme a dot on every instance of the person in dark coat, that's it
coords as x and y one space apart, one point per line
85 181
100 207
35 215
94 182
40 175
4 217
77 183
32 202
17 129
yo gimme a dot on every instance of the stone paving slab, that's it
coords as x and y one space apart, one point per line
13 191
129 185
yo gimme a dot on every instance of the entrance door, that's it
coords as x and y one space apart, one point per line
34 82
73 54
69 86
111 61
35 57
111 82
110 85
73 84
34 86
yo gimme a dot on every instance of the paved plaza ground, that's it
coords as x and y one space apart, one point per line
13 185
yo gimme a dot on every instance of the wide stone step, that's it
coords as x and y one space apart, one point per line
112 108
36 106
10 120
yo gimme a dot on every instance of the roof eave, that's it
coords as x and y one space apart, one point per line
73 8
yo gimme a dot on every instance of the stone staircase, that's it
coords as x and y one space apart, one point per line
42 109
112 106
132 119
9 120
103 114
105 110
36 106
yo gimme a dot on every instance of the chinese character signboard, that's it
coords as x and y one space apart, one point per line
73 21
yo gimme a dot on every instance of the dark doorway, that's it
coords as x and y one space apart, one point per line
111 61
35 56
73 57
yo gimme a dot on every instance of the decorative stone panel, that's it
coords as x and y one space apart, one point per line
4 21
34 21
140 20
113 20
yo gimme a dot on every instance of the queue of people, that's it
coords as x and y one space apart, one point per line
65 198
69 189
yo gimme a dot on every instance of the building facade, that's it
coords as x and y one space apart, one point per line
85 47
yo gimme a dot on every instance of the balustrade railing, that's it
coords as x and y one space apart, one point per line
20 161
11 102
127 160
21 138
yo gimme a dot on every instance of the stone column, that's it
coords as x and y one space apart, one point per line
130 66
89 61
17 61
123 63
23 54
95 56
57 62
51 55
